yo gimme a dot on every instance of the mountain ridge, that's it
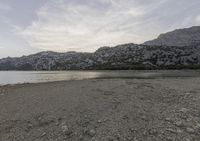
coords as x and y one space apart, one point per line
177 37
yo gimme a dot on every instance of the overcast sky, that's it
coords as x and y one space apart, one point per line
30 26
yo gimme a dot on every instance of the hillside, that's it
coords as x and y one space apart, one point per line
179 37
127 56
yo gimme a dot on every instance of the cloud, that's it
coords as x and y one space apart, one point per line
198 19
66 25
5 7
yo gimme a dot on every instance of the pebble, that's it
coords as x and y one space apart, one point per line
179 123
153 132
118 136
183 110
92 132
30 125
167 119
135 139
99 121
179 131
66 130
2 92
93 139
189 119
85 130
143 117
110 138
43 134
171 130
190 130
188 139
57 123
187 93
81 137
170 139
196 126
129 138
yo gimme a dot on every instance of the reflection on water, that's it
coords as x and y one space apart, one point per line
13 77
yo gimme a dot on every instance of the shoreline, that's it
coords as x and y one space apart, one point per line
103 78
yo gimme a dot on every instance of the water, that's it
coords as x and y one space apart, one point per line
14 77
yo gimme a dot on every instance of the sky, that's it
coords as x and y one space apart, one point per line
30 26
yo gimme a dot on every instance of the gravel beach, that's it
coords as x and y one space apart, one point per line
102 110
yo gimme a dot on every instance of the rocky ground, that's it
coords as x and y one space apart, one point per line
102 110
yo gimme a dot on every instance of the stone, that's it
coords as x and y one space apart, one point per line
99 121
66 130
92 132
188 139
43 134
29 125
167 119
118 136
110 138
93 139
143 117
170 139
2 94
183 110
171 130
179 123
129 138
153 131
190 130
196 126
179 131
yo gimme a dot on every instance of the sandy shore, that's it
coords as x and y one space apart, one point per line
102 110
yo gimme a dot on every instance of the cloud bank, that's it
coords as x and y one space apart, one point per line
66 25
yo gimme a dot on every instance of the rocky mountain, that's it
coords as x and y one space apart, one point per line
174 50
180 37
127 56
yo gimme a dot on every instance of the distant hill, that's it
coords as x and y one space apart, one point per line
128 56
178 37
178 49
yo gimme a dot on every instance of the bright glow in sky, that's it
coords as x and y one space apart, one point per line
30 26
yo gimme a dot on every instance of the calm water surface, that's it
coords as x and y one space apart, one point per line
14 77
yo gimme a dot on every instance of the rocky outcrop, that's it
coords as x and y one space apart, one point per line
180 37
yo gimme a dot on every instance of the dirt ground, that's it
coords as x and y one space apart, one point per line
102 110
